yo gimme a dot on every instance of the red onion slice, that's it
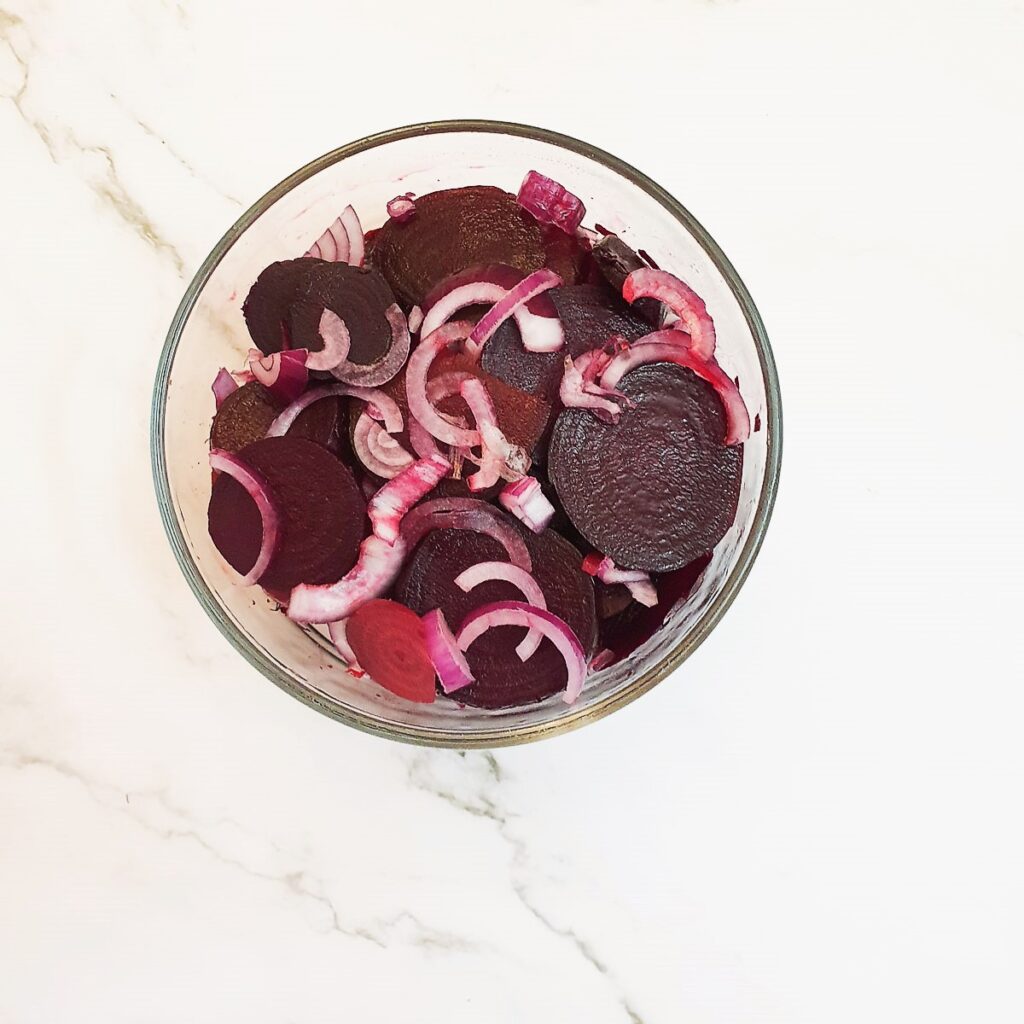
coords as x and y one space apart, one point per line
449 662
283 374
476 293
602 659
638 583
509 573
528 503
532 285
337 342
223 385
370 441
540 333
380 372
381 406
341 644
651 351
550 202
375 570
357 245
402 208
259 490
390 504
465 514
333 245
416 373
681 299
576 393
415 319
498 451
516 613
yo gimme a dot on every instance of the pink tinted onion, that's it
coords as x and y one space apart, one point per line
482 572
333 245
380 405
401 208
259 490
532 285
449 662
370 374
681 299
415 319
354 229
223 385
377 450
498 452
416 373
550 202
517 613
638 583
337 342
283 374
390 504
576 393
525 499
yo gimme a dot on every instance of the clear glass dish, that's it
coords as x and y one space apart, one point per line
208 332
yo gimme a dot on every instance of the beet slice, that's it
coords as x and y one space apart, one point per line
323 514
659 488
246 414
359 295
454 229
267 307
502 680
387 640
589 315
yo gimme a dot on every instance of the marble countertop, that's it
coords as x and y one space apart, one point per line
816 819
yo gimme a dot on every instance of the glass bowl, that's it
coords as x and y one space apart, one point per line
208 332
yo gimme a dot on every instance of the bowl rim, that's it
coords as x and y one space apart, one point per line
500 735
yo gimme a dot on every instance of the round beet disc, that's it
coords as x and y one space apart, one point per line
502 680
659 488
267 307
590 315
359 295
323 514
454 229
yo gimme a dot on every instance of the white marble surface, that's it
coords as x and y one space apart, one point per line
817 819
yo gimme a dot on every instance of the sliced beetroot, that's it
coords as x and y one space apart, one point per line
610 599
502 680
267 307
616 261
388 642
633 624
454 229
589 315
359 295
322 422
323 514
659 488
243 417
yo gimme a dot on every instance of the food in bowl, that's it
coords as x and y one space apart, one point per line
488 449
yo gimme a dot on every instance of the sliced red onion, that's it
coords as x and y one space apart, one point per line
340 641
603 659
532 285
350 220
377 450
509 573
416 373
478 293
539 332
449 662
242 377
415 319
333 245
380 405
550 202
375 570
337 342
390 504
422 443
465 514
576 393
380 372
402 209
681 299
283 374
222 386
651 351
528 503
498 451
259 490
516 613
636 582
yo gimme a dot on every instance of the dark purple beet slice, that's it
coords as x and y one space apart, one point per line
323 514
610 599
659 488
268 305
633 624
589 315
617 261
502 680
246 414
454 229
359 295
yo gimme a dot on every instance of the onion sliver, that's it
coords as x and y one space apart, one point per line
532 285
681 299
381 406
449 662
337 342
416 373
465 514
369 441
517 613
401 208
259 490
509 573
380 372
528 503
283 374
637 582
223 385
737 417
390 504
354 229
333 245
